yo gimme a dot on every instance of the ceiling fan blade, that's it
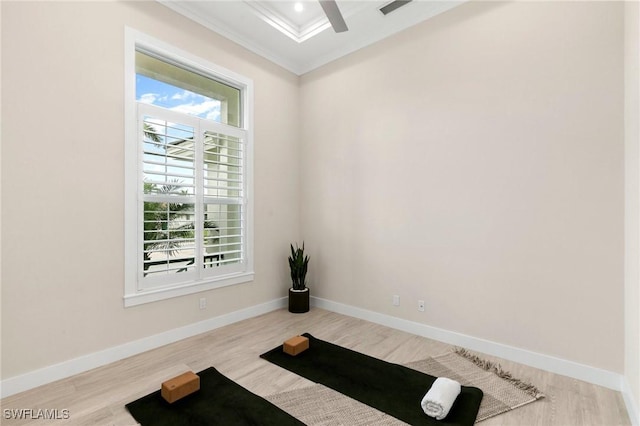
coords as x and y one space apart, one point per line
333 14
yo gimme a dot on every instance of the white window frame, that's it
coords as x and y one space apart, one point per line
135 292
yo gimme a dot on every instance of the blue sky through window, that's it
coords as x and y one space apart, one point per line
164 95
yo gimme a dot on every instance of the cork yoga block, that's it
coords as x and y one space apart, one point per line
295 345
180 386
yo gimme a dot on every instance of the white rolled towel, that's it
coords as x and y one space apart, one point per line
440 397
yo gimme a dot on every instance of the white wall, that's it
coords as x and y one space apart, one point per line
62 179
0 197
476 161
632 197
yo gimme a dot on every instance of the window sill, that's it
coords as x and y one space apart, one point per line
154 295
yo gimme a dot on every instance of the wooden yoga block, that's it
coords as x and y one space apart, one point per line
180 386
295 345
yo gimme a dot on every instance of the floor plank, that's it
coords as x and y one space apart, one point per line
97 397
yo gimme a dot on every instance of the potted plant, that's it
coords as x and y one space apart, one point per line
299 292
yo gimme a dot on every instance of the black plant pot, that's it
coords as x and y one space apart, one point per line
299 301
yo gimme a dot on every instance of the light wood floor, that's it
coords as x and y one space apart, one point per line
97 397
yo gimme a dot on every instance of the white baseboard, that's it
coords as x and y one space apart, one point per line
556 365
630 402
84 363
564 367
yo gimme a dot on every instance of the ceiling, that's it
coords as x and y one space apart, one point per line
302 40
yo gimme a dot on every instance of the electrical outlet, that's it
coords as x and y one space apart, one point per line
396 300
203 303
421 305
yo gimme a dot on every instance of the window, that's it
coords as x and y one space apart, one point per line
188 210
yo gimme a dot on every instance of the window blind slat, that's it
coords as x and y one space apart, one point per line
205 172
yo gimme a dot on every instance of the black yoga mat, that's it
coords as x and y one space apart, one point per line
220 401
390 388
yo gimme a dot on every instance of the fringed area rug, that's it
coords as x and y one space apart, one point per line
317 405
502 391
394 389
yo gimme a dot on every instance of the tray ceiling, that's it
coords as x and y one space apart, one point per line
296 34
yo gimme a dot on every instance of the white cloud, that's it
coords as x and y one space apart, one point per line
214 114
187 95
209 109
148 98
191 103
